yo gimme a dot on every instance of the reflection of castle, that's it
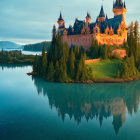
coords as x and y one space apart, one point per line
111 31
93 102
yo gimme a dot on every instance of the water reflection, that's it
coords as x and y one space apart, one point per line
96 101
13 66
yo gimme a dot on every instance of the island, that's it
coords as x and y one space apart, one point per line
100 63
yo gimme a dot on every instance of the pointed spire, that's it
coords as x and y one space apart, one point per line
113 4
102 14
88 15
124 5
60 17
106 17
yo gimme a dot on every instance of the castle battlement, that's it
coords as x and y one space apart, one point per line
109 31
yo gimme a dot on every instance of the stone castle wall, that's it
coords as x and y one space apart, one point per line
91 61
79 40
85 40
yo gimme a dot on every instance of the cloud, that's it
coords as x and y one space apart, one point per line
29 21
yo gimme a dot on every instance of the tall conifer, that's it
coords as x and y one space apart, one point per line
44 61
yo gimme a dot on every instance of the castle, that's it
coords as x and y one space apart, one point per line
109 31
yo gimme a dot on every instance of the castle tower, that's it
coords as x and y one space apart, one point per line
119 8
88 18
60 22
101 15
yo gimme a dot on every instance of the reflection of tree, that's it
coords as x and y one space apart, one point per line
117 123
13 66
99 101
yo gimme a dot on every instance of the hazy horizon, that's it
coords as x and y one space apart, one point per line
31 21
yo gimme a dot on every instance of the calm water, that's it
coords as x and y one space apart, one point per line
32 109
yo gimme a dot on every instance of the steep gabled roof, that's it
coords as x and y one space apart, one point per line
114 22
79 24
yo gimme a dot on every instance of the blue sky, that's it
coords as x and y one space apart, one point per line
31 21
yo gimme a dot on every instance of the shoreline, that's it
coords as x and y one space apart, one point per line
102 80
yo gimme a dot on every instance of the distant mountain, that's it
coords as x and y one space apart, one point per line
9 45
37 46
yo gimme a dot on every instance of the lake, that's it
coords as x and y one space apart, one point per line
33 109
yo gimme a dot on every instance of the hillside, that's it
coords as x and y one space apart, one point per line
9 45
36 47
105 69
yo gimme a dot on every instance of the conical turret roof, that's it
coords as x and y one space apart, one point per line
119 4
60 17
102 14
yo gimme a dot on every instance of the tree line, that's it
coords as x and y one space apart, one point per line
131 64
61 63
36 47
15 57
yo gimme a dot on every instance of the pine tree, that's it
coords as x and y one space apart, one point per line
54 34
131 39
51 72
136 38
52 49
71 64
81 71
63 71
35 64
44 61
94 49
57 71
104 52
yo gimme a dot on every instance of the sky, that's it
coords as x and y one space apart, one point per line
31 21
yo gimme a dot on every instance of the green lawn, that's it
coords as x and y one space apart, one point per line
105 69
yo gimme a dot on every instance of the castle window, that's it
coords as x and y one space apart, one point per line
96 31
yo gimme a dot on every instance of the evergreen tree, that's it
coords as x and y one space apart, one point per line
52 49
136 38
51 72
104 52
131 39
63 71
94 50
35 64
54 34
57 71
44 61
127 68
71 64
82 73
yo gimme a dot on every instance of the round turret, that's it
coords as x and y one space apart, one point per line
60 20
119 8
88 18
101 15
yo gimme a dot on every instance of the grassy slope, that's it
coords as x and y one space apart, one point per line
105 69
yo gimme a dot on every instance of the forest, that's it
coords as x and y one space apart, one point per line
15 57
37 46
